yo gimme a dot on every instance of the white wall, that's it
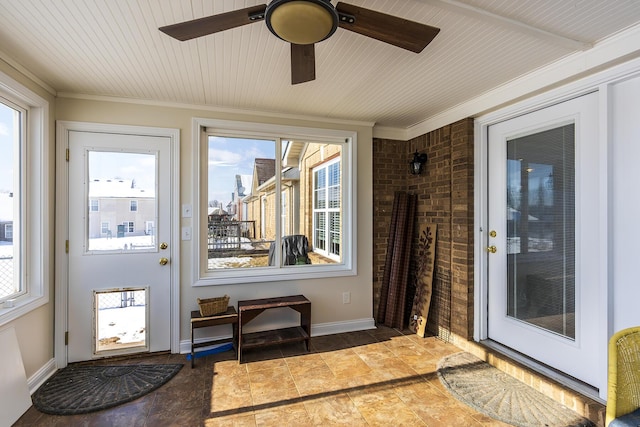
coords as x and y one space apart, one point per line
34 330
328 311
625 210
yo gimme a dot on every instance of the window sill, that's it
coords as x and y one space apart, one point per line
255 275
22 306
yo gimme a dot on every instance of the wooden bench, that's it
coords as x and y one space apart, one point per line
250 309
198 321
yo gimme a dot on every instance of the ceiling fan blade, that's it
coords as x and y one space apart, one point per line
390 29
212 24
303 63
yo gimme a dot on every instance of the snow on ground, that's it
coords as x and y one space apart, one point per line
122 243
127 323
6 249
236 262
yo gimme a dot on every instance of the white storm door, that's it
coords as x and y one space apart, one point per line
119 244
543 248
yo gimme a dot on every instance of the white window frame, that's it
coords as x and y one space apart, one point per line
284 214
326 210
201 129
104 230
94 203
129 226
36 248
133 206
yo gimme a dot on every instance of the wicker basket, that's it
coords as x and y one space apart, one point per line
213 306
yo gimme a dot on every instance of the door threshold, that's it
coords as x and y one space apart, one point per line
546 371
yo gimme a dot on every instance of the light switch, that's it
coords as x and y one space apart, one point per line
186 233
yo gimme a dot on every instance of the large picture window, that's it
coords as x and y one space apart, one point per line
273 203
24 147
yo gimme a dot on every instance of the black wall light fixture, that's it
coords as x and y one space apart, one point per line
415 165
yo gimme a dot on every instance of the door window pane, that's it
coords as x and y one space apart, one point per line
541 229
123 185
120 319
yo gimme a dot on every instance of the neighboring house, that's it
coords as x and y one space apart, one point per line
117 208
261 199
310 198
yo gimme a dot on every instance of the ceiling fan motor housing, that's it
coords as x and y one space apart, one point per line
301 21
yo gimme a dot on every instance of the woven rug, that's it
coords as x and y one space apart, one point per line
81 389
501 396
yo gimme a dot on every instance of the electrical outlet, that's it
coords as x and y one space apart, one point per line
346 297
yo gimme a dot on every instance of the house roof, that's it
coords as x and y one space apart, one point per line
114 49
118 188
264 170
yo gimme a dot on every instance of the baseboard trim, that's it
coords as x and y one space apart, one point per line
342 327
316 331
43 374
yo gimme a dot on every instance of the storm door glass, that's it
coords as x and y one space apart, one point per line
541 229
122 205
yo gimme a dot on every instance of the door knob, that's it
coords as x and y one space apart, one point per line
492 249
164 261
164 245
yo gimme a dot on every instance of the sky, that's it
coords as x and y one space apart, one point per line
229 157
6 148
137 166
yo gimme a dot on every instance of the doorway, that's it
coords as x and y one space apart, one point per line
122 265
541 236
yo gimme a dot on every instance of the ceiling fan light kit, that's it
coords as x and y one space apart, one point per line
301 21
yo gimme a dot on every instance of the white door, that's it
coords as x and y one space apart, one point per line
119 297
543 236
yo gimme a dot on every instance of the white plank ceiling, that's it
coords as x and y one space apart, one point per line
113 48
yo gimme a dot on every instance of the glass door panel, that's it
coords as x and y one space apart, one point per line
120 320
540 216
122 210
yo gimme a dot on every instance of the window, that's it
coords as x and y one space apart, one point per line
275 203
24 151
128 226
93 205
133 206
104 228
11 155
326 209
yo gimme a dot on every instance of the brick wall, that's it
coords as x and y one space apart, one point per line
445 197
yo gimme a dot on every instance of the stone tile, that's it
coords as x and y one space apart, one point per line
367 378
186 417
346 364
305 364
318 381
294 415
236 420
276 377
334 411
380 407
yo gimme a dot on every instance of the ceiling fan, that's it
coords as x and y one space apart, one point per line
306 22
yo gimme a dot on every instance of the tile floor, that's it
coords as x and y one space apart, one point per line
369 378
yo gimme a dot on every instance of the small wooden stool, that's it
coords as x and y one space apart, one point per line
197 321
